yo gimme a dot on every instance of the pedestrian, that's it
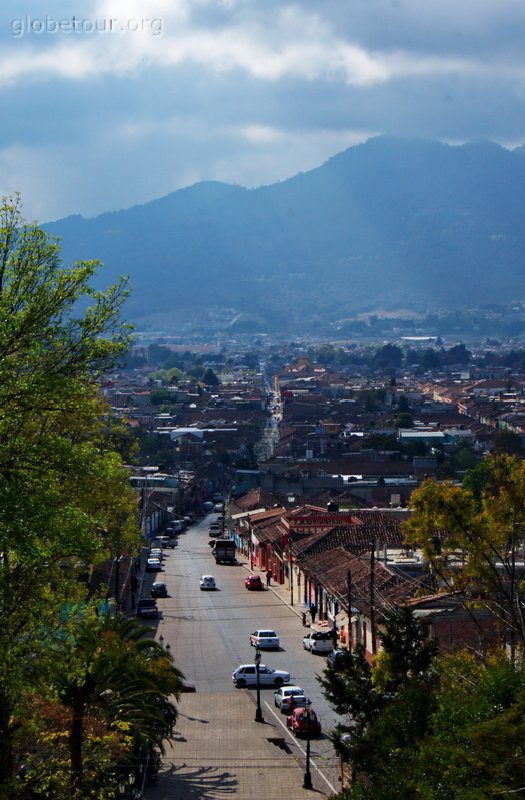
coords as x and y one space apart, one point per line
268 577
304 619
313 612
335 637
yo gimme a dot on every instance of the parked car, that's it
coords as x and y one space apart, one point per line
147 607
153 565
156 552
318 642
163 541
246 675
218 508
302 725
337 658
159 589
281 697
254 582
207 582
214 529
264 639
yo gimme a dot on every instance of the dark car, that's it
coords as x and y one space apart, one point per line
336 659
159 589
147 607
304 723
254 582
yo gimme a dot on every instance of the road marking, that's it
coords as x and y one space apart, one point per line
278 718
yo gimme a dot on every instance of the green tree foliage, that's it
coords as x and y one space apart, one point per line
385 707
157 354
161 397
371 398
474 749
388 357
458 354
404 420
209 378
430 359
508 442
475 550
402 404
103 698
406 650
65 499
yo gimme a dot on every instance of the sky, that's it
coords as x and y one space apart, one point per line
109 104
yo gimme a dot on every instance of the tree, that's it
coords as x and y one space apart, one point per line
114 683
473 750
404 420
406 650
65 495
210 378
506 441
386 706
390 356
112 663
472 543
402 404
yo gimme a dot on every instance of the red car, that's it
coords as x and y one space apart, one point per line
254 582
297 723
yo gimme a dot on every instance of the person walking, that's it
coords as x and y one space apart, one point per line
313 612
268 577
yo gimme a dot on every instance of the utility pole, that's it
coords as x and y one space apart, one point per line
290 567
372 596
349 599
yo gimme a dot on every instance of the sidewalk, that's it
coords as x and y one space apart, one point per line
220 751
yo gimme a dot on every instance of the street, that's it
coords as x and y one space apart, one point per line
208 634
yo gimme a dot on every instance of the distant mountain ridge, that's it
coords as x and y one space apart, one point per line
389 222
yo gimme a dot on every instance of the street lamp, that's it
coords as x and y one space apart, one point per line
307 782
123 786
258 711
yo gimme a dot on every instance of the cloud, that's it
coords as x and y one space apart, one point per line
141 98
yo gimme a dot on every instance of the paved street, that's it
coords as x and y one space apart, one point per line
220 750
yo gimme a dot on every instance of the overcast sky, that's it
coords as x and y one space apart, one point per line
128 101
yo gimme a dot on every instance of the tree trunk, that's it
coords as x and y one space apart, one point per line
76 740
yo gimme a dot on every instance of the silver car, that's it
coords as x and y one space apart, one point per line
319 642
246 675
264 639
283 695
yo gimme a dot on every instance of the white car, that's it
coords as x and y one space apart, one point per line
264 639
156 552
246 675
207 582
319 642
282 696
153 565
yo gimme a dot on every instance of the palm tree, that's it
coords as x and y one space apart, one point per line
112 665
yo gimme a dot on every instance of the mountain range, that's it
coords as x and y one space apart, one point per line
386 224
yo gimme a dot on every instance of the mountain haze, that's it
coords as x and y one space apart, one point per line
389 223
